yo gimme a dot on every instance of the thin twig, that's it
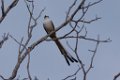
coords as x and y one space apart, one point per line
72 74
28 71
17 41
2 8
116 76
5 11
5 38
93 56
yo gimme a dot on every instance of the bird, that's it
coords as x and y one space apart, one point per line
49 27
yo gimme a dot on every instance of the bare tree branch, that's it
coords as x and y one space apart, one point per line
116 76
17 41
5 11
22 54
28 71
5 38
93 56
2 8
72 74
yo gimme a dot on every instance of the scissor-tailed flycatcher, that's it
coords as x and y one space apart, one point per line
49 27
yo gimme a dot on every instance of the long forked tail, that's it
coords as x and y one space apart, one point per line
66 55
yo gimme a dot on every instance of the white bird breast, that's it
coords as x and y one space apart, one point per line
48 25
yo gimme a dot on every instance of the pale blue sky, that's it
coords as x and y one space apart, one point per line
46 60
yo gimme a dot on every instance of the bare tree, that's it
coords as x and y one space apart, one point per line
24 50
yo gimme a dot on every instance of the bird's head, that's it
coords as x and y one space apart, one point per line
46 16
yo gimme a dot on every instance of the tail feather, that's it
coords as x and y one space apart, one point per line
67 60
72 59
67 56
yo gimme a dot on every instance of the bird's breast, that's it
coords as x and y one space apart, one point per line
48 26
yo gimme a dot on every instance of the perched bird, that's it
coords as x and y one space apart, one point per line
49 27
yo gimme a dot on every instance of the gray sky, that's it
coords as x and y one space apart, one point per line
46 60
